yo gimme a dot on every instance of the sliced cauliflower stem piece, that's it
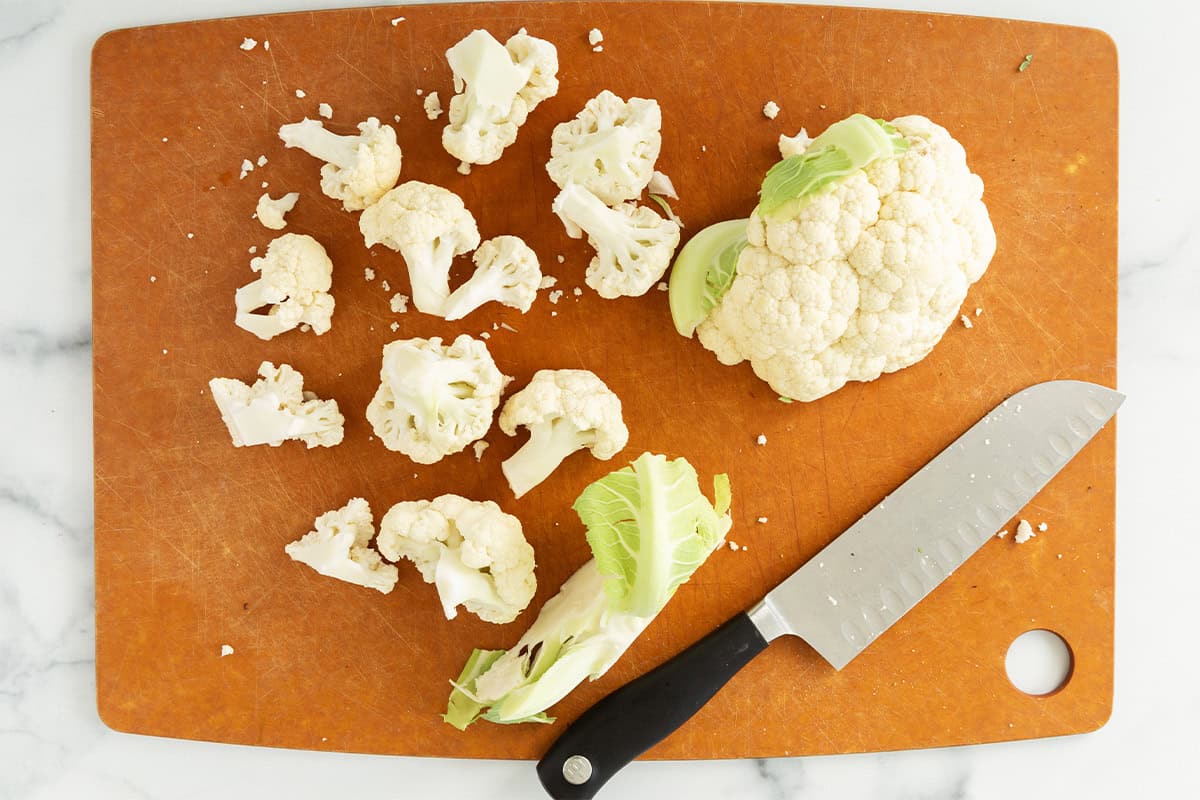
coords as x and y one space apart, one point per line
294 279
506 271
865 273
271 212
474 553
497 87
276 408
609 148
340 547
358 169
429 226
633 244
434 400
565 410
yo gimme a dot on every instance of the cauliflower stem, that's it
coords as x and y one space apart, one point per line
548 446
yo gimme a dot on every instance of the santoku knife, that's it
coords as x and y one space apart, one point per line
848 594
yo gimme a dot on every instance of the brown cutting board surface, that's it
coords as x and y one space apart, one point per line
190 531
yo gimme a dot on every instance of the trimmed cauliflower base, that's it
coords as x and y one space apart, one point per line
276 408
863 279
294 279
474 553
434 400
340 547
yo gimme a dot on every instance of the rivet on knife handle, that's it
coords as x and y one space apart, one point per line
642 713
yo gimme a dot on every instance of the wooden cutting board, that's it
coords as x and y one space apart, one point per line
190 531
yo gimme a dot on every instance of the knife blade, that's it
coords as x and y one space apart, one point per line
848 594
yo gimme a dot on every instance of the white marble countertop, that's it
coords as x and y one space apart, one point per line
52 744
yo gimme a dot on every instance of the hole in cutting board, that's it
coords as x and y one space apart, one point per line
1039 662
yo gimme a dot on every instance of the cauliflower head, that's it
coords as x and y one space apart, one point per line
358 169
863 276
474 553
340 547
506 271
609 148
276 408
633 244
565 410
294 279
435 399
429 226
497 87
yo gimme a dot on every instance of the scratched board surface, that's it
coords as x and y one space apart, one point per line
190 531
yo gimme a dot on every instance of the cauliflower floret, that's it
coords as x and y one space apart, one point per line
359 169
794 145
434 400
270 212
503 84
429 226
474 553
633 244
295 276
276 408
861 278
565 410
340 548
609 148
506 271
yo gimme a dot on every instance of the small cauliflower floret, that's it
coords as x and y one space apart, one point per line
276 408
497 87
434 400
294 279
609 148
794 145
633 244
474 553
270 212
429 226
506 271
340 547
358 169
565 410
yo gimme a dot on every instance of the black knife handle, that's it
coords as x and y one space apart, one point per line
645 711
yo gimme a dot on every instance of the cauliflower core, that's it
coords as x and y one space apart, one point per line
609 148
497 86
429 226
474 553
863 277
565 410
340 547
633 244
434 400
295 276
358 169
506 271
276 408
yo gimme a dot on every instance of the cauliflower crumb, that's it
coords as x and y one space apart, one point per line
164 351
554 313
761 440
479 447
396 117
561 258
433 105
485 335
577 292
595 36
1024 532
252 249
262 161
305 327
247 168
703 148
325 110
300 93
265 184
368 274
1002 534
399 303
164 139
191 235
226 650
464 168
978 311
396 21
420 92
153 278
662 286
248 44
508 327
966 322
762 520
1042 527
745 547
598 48
266 46
387 287
395 326
733 545
555 296
771 109
547 282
